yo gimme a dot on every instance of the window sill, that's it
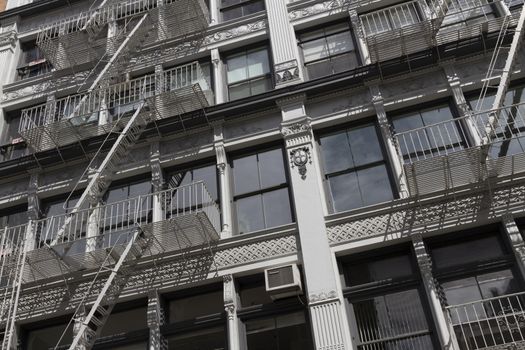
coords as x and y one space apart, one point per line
20 84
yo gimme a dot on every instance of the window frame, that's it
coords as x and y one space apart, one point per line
40 65
329 58
334 130
245 51
240 4
255 151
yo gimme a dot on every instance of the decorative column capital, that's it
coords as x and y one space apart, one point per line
8 40
286 72
297 132
322 297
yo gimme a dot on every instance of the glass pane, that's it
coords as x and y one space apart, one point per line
47 338
253 7
336 153
204 339
259 86
498 283
140 188
344 62
232 13
277 208
138 346
340 43
345 192
374 184
408 122
56 208
271 168
237 68
188 308
471 251
207 174
245 175
117 194
249 214
225 3
257 62
364 145
379 269
463 291
254 293
125 321
315 49
319 69
239 91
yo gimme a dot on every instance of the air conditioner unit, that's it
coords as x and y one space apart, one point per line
283 281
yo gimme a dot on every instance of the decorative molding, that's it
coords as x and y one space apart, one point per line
297 132
299 157
286 72
230 311
332 6
322 297
327 325
8 40
229 289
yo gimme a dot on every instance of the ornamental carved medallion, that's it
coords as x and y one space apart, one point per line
299 157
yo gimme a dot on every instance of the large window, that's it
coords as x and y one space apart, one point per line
13 216
387 301
429 132
185 176
196 319
32 62
276 325
232 9
328 50
47 335
355 168
248 73
13 145
261 194
510 131
391 18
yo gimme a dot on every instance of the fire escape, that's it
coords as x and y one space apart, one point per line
106 43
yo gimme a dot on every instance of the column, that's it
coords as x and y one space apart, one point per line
325 306
231 304
214 12
443 326
224 180
9 56
155 319
359 37
388 139
157 180
516 240
33 210
79 318
461 103
219 77
285 53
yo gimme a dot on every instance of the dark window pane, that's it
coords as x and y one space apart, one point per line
47 338
319 69
365 145
271 168
204 339
254 293
336 153
374 185
190 307
344 62
258 86
138 346
225 3
250 214
245 175
379 269
498 283
239 91
207 174
232 13
253 7
277 208
471 251
345 192
125 321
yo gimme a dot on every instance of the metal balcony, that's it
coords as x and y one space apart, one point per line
179 219
448 154
401 30
83 38
78 117
493 323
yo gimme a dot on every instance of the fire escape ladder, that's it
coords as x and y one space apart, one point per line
119 275
102 177
491 126
439 9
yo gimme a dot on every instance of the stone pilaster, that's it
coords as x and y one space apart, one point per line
461 103
359 37
441 321
77 324
9 56
33 202
219 77
155 319
392 149
157 180
285 52
516 240
231 305
324 304
214 12
224 180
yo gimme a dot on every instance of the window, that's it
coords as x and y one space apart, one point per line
387 301
276 325
32 62
355 168
232 9
196 319
391 18
126 327
55 209
205 173
429 132
13 216
462 13
328 51
46 335
261 195
248 73
510 132
13 144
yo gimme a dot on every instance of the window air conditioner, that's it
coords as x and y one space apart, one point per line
283 281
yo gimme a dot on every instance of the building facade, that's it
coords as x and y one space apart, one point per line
348 138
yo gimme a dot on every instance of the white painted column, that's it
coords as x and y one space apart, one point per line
445 333
77 324
326 308
162 28
388 139
461 103
359 37
157 180
214 12
516 240
231 305
285 51
224 180
155 319
9 56
219 77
